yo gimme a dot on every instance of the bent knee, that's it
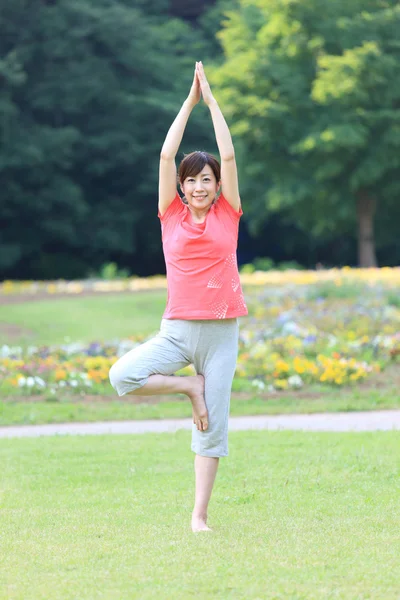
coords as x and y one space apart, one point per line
125 379
114 375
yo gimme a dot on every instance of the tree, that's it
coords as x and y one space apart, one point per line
313 90
88 90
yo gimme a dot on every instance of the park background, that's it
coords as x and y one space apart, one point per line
311 92
88 90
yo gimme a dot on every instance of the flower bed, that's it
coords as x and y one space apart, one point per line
295 336
389 276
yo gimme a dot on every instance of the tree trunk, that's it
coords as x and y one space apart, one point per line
366 208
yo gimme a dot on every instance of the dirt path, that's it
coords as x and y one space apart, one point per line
383 420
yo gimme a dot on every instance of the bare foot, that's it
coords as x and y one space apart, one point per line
196 395
199 524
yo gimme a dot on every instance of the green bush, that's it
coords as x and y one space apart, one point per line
267 264
110 271
247 269
264 264
289 265
259 264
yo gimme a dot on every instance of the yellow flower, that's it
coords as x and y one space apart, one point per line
97 376
281 366
281 384
97 362
60 374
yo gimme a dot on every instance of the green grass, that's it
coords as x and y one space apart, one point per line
72 409
296 516
101 318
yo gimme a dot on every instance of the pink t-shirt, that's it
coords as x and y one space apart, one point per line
202 272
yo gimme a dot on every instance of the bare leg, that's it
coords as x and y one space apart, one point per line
191 386
205 470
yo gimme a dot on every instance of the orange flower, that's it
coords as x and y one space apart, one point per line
60 374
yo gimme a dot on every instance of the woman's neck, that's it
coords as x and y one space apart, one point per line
198 216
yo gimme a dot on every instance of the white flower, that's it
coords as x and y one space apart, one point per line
260 385
40 382
21 381
291 328
30 382
62 383
295 381
73 382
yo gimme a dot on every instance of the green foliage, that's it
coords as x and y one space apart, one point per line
289 265
89 89
258 264
110 271
263 264
314 99
267 264
87 97
248 268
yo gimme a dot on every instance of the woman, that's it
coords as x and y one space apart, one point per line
199 325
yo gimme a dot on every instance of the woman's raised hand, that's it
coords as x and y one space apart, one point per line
195 91
204 85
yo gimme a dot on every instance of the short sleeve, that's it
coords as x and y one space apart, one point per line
226 207
173 209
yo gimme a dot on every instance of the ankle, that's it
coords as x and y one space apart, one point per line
188 384
199 514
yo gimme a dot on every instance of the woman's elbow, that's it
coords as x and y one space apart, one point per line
228 157
164 155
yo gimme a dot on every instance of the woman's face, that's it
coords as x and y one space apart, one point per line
200 189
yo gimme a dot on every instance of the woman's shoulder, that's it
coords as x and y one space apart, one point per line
222 205
175 208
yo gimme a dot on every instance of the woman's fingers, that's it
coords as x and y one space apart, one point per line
200 68
205 86
195 90
201 74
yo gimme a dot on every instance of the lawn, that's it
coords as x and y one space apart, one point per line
84 318
295 516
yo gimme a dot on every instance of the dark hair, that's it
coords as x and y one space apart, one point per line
195 162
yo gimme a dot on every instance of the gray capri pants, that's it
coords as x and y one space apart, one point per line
212 347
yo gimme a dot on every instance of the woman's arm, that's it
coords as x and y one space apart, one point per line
229 176
167 174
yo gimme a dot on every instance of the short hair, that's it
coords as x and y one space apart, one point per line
194 163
